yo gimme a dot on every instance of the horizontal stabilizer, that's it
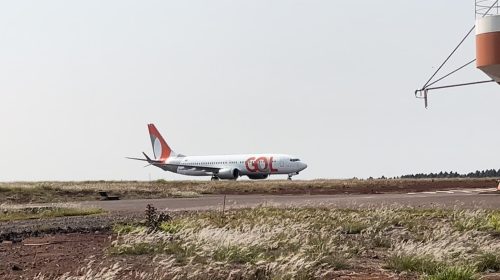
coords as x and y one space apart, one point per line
147 159
141 159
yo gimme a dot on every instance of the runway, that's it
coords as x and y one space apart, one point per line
473 198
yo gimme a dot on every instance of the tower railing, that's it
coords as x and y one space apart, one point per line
487 8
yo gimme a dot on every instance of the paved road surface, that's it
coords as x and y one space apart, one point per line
484 198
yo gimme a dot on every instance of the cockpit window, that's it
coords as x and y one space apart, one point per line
294 159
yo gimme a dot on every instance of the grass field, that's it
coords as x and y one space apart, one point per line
306 243
25 192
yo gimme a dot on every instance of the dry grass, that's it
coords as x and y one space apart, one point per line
29 213
25 192
305 243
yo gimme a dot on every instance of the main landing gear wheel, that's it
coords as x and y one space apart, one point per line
214 178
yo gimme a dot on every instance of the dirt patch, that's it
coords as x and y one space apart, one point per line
51 255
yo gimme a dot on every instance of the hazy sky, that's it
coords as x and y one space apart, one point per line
329 81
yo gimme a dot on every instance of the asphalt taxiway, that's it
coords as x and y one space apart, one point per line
472 198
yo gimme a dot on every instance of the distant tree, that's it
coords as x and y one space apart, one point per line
488 173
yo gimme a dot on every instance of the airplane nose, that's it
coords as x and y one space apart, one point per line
304 166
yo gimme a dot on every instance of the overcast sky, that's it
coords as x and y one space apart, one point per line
329 81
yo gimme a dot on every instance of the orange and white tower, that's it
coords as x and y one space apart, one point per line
488 37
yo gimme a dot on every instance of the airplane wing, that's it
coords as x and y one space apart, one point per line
160 163
214 170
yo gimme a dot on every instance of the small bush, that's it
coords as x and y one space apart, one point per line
454 273
154 219
488 262
425 265
181 252
353 228
161 181
381 242
170 227
127 228
494 221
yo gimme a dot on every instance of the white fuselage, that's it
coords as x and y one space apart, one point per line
229 167
248 164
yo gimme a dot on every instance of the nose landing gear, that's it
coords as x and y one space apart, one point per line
291 175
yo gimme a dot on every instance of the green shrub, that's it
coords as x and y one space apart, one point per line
425 265
127 228
171 227
488 262
381 242
454 273
494 221
161 181
353 227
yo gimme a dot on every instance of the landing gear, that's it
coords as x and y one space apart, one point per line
291 175
214 178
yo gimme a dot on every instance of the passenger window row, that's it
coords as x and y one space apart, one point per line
214 162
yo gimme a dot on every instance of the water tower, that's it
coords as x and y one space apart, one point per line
487 59
488 38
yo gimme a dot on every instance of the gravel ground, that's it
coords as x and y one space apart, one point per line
16 231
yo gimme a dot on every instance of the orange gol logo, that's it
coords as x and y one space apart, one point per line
261 164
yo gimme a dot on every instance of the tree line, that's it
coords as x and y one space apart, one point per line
478 174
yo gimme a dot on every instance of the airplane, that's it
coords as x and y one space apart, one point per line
225 167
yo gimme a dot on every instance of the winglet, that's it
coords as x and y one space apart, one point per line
147 158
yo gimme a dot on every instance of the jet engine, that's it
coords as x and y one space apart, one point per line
228 174
258 176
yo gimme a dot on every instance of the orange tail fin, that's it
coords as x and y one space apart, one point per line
161 149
